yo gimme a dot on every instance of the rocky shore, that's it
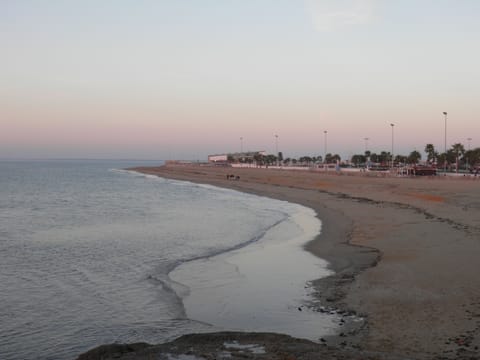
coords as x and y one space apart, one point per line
232 345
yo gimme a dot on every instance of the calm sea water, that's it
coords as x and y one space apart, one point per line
86 250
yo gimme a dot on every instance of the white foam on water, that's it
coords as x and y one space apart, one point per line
253 348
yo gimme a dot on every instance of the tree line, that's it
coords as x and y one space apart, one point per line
456 157
271 159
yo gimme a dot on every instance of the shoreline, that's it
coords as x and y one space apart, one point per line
390 242
331 244
250 288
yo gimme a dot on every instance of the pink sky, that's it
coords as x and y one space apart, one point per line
185 81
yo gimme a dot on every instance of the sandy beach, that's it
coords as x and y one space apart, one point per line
405 252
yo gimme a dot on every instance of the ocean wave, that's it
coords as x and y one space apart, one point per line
160 276
137 174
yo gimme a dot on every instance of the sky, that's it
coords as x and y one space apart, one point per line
181 79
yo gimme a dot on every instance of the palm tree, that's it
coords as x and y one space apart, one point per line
335 158
414 157
430 150
358 159
441 159
401 159
258 158
459 150
473 157
384 157
328 158
305 160
271 159
280 156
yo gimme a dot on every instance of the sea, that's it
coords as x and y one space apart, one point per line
92 253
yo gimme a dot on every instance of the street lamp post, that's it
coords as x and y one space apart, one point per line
445 144
241 145
366 144
469 140
325 150
276 148
367 158
392 125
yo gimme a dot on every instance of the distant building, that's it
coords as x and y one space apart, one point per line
236 157
218 158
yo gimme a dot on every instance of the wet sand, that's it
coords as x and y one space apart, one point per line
405 251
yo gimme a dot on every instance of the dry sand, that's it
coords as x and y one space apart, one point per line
406 252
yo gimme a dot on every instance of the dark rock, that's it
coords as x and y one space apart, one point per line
112 351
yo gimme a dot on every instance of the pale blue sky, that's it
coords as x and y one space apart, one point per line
159 79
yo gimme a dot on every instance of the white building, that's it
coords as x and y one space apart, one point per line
236 157
218 158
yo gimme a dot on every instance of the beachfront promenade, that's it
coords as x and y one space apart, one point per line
398 171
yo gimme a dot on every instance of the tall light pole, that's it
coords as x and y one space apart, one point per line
325 148
366 144
469 140
276 148
241 144
392 125
445 144
367 158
